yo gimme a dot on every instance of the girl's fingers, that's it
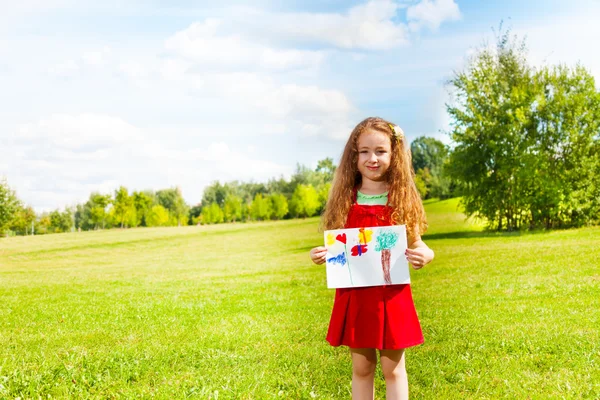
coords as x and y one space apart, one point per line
416 261
413 252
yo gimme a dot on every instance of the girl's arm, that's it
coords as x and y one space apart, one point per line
418 253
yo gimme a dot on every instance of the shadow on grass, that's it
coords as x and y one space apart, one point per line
479 234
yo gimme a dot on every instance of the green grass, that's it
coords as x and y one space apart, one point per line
184 313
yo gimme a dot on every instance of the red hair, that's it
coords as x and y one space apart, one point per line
403 197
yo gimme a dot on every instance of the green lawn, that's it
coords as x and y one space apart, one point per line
189 313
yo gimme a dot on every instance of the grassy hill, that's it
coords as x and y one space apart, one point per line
238 311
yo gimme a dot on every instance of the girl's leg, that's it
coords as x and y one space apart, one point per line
364 362
394 372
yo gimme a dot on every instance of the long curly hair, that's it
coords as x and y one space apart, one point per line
403 197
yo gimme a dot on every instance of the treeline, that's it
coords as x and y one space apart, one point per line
101 211
304 195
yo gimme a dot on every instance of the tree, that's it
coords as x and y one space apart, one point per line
323 195
248 190
327 168
194 214
95 211
214 193
246 211
526 148
423 182
431 154
261 208
280 185
158 216
280 205
124 212
23 221
43 225
232 208
61 221
567 138
143 202
304 202
172 200
9 205
212 214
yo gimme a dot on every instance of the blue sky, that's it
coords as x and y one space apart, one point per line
158 94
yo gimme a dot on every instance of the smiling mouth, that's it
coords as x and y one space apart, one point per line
372 168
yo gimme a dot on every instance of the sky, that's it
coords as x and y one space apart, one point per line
156 94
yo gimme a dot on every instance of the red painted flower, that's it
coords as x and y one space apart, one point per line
341 238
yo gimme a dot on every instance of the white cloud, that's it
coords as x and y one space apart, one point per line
65 70
96 57
367 26
201 44
432 13
60 160
284 102
74 67
77 132
174 69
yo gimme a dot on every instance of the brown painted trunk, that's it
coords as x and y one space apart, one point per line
385 264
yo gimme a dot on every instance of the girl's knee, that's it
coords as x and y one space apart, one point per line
364 369
393 365
393 372
364 362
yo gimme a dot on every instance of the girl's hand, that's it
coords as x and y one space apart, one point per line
318 254
419 257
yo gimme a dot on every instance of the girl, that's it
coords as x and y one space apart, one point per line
373 186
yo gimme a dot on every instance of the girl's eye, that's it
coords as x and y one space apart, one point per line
363 152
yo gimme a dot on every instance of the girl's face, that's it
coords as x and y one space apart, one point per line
374 155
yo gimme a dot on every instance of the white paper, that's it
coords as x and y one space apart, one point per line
370 256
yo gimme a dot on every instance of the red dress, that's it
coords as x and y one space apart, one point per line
379 317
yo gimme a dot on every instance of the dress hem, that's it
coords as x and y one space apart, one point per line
377 347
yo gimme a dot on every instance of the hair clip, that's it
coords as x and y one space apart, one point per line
397 131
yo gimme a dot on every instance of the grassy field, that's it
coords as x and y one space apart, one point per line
239 312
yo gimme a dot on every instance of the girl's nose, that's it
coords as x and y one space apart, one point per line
373 157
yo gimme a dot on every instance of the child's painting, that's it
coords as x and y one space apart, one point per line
366 256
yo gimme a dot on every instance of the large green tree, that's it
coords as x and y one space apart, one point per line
525 141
